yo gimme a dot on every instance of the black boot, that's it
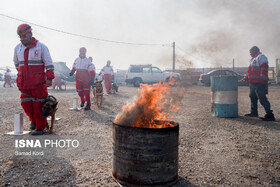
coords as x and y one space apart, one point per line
37 132
82 104
32 126
87 107
268 117
251 115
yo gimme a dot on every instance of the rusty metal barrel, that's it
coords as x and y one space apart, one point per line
145 156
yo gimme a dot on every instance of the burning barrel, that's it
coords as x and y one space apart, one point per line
146 156
224 96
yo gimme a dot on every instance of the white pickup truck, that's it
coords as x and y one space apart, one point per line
137 74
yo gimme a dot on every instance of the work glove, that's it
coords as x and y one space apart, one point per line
71 73
91 81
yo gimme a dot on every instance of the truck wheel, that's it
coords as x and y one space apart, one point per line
137 82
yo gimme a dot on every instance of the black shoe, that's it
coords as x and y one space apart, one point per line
268 118
37 132
32 126
87 107
251 115
82 104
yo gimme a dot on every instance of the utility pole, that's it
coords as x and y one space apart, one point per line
277 70
173 67
233 64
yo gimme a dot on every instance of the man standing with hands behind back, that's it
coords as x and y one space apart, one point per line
35 73
258 79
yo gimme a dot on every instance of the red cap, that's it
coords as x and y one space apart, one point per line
23 28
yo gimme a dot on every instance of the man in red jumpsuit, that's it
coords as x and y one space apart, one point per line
35 73
8 78
108 73
84 77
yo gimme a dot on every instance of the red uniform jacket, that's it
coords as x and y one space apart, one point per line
34 65
258 69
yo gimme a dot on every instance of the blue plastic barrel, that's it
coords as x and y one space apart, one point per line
224 92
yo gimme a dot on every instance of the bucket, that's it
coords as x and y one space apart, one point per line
224 93
145 156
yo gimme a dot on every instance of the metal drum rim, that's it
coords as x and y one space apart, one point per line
176 125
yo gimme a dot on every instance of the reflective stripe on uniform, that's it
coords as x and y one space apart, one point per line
254 67
26 99
39 100
83 89
32 62
49 67
25 94
257 77
31 98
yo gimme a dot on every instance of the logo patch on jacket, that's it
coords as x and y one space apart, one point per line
36 52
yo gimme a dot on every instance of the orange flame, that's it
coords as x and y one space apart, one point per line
154 102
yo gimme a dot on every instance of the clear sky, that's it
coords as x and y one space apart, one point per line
207 33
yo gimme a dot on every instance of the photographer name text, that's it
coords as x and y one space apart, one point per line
46 143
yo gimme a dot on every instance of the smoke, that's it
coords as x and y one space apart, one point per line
214 31
216 46
233 27
164 58
183 62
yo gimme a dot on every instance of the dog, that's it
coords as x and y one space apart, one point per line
114 88
98 92
49 108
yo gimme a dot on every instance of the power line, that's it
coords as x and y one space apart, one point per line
83 36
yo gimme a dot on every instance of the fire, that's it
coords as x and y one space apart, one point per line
153 104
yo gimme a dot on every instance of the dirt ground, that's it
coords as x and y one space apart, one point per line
212 152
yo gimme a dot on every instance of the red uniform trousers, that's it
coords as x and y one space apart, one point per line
83 89
108 81
31 102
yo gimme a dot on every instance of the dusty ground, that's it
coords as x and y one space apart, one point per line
212 151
